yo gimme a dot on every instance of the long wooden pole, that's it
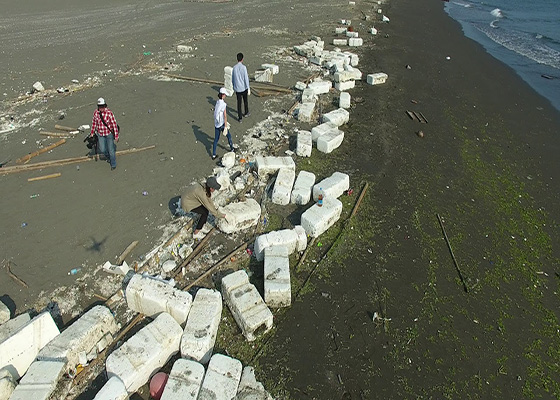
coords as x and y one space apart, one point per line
64 128
28 157
58 134
42 178
126 252
66 161
452 255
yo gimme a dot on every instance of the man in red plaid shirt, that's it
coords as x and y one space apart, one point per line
105 126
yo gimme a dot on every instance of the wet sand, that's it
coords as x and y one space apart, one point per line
486 164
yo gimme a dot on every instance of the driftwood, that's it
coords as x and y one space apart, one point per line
64 128
14 276
126 252
65 135
28 157
452 255
66 161
259 86
42 178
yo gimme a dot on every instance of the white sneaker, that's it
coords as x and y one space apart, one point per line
198 235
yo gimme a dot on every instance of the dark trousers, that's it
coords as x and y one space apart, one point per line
203 211
242 95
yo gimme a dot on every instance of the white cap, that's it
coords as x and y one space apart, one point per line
223 91
101 101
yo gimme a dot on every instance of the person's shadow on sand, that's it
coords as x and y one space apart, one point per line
203 138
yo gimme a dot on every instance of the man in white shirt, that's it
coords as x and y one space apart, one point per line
220 122
240 80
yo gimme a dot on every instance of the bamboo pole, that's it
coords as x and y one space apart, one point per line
65 135
64 128
66 161
28 157
452 255
42 178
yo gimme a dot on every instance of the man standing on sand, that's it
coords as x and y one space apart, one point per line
220 122
105 126
241 87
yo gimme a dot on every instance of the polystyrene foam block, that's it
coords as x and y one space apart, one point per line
285 237
342 86
330 141
283 186
377 78
239 216
316 220
321 129
40 381
305 112
333 186
113 389
277 286
185 381
301 193
269 165
320 87
304 144
222 378
344 100
337 117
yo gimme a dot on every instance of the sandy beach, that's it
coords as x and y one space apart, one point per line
379 310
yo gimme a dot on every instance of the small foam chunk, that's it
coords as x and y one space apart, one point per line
185 381
283 186
337 117
333 186
249 388
277 286
301 193
246 304
228 159
199 337
304 144
145 352
316 220
239 216
151 297
222 378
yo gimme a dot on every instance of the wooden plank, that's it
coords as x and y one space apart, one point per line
411 115
425 120
64 128
66 135
28 157
42 178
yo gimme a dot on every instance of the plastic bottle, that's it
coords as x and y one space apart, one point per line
320 198
33 196
74 271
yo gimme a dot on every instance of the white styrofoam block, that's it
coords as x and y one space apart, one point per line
7 383
277 286
333 186
185 380
354 58
377 78
351 34
321 129
342 86
320 87
344 100
20 349
8 328
343 76
305 112
308 96
246 304
285 237
300 85
40 381
228 82
283 186
355 42
113 389
316 220
301 193
249 388
222 378
228 159
181 48
4 313
301 243
263 75
145 352
339 30
151 297
202 325
337 117
82 336
269 165
340 42
373 31
353 73
330 141
304 144
273 67
239 216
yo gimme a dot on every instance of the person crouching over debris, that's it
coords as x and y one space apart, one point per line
105 126
198 199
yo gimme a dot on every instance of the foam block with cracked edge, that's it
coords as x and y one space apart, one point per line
82 336
20 349
239 216
333 186
7 383
283 186
113 389
344 100
284 237
304 144
308 96
321 129
277 286
301 243
4 313
8 328
342 86
305 112
40 381
330 141
377 78
273 67
185 381
337 117
320 87
145 353
200 332
301 193
151 297
249 388
316 220
269 165
222 378
246 304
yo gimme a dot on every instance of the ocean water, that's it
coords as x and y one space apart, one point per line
522 34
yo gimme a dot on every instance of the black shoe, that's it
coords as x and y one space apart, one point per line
113 168
214 157
240 119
